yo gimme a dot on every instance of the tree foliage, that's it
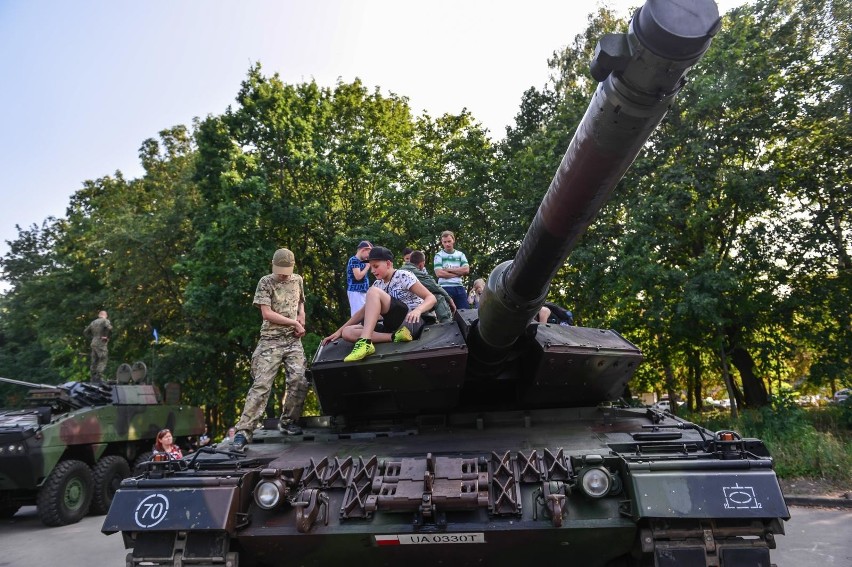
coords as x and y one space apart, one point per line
724 252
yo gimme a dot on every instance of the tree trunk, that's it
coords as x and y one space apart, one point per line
726 376
690 389
698 390
738 394
670 386
754 390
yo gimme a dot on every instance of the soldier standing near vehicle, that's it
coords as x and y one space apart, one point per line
280 296
98 331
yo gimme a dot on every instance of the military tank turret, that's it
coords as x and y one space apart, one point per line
490 440
70 448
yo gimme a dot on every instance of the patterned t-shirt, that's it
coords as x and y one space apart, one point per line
399 287
351 283
284 298
445 260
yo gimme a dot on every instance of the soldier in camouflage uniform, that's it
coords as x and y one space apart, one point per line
281 299
98 331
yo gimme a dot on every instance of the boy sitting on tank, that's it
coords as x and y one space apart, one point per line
397 297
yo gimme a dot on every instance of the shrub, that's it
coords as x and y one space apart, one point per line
802 442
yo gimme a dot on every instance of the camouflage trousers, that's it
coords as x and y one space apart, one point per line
267 359
99 362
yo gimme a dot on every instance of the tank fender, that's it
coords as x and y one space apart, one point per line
671 492
207 506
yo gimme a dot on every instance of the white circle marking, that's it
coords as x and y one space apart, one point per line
151 511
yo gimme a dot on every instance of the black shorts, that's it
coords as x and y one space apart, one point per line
393 319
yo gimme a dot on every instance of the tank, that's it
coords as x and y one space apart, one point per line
69 449
489 440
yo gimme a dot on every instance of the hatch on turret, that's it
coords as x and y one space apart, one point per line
577 366
401 379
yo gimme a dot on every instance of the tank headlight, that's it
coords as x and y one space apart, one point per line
595 482
268 493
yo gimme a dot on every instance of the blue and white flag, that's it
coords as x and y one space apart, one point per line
156 337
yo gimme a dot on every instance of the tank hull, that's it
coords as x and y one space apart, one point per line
471 487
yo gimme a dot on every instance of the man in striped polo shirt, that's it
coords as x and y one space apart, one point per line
450 265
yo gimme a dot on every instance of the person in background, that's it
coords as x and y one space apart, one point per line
558 315
444 308
165 444
280 296
357 280
476 293
406 254
229 438
98 331
450 266
204 439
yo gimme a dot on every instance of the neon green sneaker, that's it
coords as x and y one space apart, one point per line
362 350
402 335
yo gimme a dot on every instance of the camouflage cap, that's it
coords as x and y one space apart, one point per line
283 261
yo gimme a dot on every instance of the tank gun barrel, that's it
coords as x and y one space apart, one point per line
639 74
27 384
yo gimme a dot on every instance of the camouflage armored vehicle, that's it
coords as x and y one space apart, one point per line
489 440
70 448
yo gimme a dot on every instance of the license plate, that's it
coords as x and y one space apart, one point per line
417 539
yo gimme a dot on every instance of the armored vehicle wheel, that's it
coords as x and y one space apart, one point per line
66 495
107 475
142 458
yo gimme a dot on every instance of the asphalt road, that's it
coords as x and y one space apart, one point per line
815 536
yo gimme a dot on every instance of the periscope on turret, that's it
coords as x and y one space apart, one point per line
489 439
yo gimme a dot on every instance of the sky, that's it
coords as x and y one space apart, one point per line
85 82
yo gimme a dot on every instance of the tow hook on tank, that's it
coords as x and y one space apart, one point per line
551 496
308 504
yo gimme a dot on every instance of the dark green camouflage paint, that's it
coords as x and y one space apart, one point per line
127 428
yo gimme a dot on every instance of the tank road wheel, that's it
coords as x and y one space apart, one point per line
66 495
107 475
142 458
